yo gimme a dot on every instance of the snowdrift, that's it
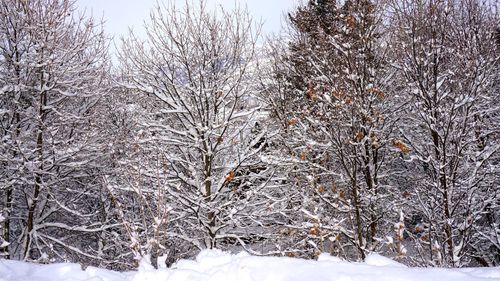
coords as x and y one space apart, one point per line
216 265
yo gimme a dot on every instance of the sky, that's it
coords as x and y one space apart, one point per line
120 15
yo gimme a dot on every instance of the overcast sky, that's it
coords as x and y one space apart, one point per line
122 14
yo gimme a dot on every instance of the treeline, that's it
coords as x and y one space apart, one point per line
367 126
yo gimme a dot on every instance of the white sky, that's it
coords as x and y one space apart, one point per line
119 15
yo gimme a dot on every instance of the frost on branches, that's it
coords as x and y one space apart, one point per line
52 72
333 93
203 131
366 127
448 61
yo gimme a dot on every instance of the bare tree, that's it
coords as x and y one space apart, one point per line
449 60
196 69
53 66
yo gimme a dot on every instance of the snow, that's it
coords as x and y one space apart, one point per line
378 260
215 265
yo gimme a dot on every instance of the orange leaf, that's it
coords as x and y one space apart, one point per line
359 136
342 194
292 121
401 145
314 231
230 177
350 21
377 92
220 94
302 156
311 93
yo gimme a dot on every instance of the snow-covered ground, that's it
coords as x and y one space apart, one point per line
215 265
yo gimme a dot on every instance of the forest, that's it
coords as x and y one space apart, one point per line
366 126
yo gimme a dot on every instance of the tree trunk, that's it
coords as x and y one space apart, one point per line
357 207
208 196
6 224
38 175
370 183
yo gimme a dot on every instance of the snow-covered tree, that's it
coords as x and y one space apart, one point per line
201 136
333 95
448 58
53 66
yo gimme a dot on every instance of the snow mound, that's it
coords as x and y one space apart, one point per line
215 265
21 271
378 260
324 257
